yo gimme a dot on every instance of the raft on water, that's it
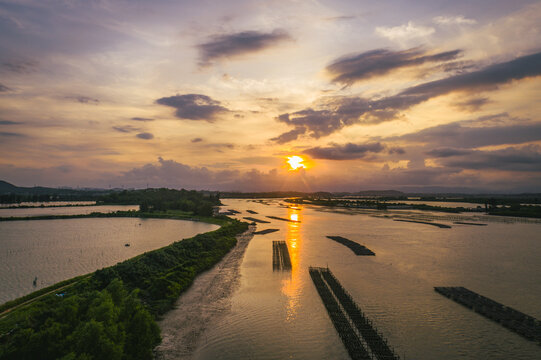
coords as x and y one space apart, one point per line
266 231
256 220
514 320
443 226
281 218
358 334
469 223
280 256
357 248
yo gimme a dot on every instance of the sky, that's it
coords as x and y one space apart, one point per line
426 95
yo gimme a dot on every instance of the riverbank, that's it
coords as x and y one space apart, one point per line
207 299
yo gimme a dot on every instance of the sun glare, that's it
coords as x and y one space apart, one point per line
295 162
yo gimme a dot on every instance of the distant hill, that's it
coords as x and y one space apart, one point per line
10 192
6 188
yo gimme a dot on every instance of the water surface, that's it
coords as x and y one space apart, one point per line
278 315
56 250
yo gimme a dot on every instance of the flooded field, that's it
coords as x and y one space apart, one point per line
56 250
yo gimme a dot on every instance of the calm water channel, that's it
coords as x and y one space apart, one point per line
55 250
278 315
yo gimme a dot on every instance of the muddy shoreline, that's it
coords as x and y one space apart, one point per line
207 299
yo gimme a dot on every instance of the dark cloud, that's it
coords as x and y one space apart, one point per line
145 136
11 134
196 140
231 45
527 158
396 150
447 152
339 112
488 78
20 67
352 68
194 106
460 135
290 135
9 122
84 99
125 128
4 88
348 151
472 105
141 119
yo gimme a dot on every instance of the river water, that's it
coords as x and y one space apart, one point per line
279 315
56 250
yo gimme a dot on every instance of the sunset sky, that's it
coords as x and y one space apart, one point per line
408 95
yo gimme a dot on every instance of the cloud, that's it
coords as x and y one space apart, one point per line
196 140
145 136
233 45
20 67
125 128
11 134
406 31
526 158
396 150
290 135
473 104
84 99
460 135
141 119
4 88
352 68
348 151
338 112
194 106
447 152
454 20
9 122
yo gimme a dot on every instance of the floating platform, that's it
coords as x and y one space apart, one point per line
256 220
357 248
469 223
443 226
516 321
358 334
281 218
280 256
266 231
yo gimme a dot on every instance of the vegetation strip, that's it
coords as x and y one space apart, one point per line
516 321
256 220
266 231
443 226
350 339
281 218
280 256
357 248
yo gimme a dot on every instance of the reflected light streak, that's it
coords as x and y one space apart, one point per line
292 286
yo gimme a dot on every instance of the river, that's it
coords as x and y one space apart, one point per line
279 315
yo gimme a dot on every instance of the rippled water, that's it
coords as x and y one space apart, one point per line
278 315
56 250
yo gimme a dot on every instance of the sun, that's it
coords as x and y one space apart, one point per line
295 162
